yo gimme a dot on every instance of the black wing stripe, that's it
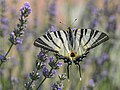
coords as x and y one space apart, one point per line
45 37
102 38
70 37
55 34
81 36
50 37
102 35
95 33
40 41
94 45
91 34
65 34
76 32
50 49
59 34
86 31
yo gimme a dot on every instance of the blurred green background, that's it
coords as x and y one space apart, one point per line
100 70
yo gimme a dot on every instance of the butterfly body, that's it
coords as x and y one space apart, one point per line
71 45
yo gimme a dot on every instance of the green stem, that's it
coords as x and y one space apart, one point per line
41 83
8 50
7 53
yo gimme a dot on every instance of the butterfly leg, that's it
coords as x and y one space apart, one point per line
68 71
69 63
79 71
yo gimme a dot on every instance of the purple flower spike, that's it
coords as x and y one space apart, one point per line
19 40
105 56
51 59
91 82
27 6
59 64
26 9
59 89
57 86
41 54
53 29
54 71
2 58
104 73
74 29
45 72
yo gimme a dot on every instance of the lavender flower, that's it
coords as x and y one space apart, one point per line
54 71
34 75
26 9
40 64
59 84
47 73
19 40
14 80
59 64
104 73
42 55
2 58
15 36
54 64
3 20
74 29
53 29
94 23
103 58
63 77
112 24
91 82
52 13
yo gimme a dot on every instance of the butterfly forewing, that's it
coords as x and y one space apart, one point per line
54 41
89 38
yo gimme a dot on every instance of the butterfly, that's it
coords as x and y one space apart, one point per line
72 45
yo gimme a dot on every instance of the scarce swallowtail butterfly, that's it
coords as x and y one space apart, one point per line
71 45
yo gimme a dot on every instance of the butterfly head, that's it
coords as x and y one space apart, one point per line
73 54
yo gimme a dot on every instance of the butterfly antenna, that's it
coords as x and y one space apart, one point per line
68 71
79 71
70 24
73 22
